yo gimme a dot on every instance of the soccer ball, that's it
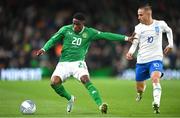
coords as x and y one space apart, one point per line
28 107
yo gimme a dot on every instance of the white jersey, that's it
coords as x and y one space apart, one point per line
149 40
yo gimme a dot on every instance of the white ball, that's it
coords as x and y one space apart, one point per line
28 107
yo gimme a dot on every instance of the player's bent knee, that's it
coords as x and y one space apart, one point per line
156 76
55 80
155 80
84 79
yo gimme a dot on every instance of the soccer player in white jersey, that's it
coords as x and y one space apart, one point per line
150 53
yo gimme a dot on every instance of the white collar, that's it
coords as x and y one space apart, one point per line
81 30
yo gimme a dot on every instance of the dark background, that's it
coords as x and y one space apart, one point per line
25 25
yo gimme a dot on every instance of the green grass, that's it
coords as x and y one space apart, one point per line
119 94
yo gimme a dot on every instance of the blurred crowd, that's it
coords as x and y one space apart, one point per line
25 26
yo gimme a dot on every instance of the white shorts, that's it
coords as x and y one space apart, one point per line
66 69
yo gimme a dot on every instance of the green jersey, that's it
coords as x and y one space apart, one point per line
75 45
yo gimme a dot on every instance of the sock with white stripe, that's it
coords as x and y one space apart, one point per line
93 93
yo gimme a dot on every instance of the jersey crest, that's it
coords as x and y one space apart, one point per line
157 29
84 35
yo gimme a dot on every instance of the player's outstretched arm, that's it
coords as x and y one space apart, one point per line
113 37
40 52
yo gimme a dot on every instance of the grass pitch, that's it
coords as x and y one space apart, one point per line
119 94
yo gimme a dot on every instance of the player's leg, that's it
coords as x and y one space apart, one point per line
156 90
59 75
81 73
141 75
140 88
94 93
156 69
56 84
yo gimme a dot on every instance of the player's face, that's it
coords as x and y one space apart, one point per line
77 25
142 16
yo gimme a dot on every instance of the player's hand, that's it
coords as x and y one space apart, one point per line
40 52
129 56
131 38
167 50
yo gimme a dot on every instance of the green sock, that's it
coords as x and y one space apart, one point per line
59 89
93 93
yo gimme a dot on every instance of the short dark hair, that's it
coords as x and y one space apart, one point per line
145 6
79 16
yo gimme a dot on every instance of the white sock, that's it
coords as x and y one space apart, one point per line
157 93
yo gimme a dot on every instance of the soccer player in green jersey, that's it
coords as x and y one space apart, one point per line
77 38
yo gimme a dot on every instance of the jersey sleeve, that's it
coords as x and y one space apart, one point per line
135 41
137 32
55 38
168 31
108 36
